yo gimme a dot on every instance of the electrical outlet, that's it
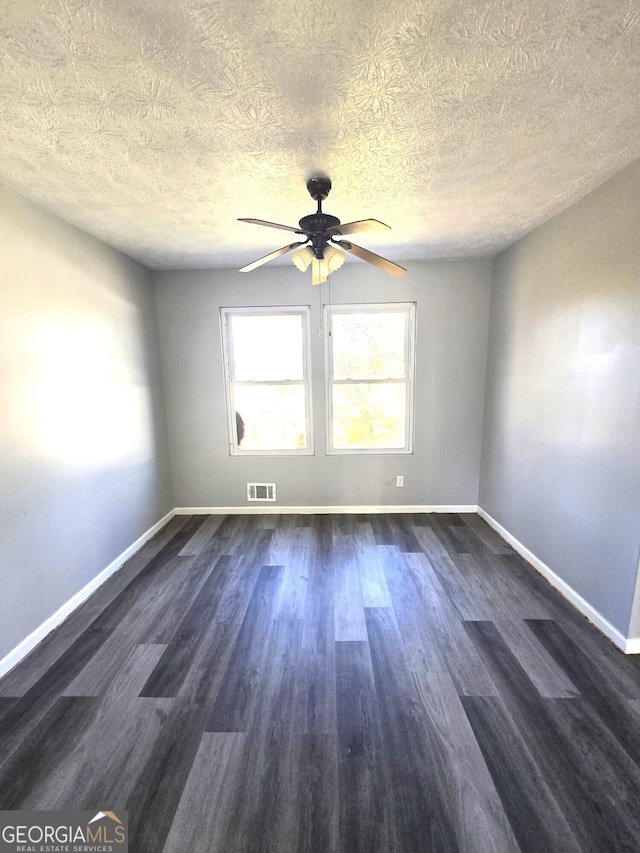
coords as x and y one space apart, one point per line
399 481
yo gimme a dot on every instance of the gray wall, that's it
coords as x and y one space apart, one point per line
561 445
452 318
83 444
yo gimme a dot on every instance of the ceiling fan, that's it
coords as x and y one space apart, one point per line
321 232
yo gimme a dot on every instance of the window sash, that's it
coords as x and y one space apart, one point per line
226 315
406 308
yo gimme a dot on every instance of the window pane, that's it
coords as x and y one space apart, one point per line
369 416
369 346
267 347
273 415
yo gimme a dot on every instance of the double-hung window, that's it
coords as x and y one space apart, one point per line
266 362
369 355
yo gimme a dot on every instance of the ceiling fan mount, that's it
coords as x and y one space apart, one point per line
319 188
320 229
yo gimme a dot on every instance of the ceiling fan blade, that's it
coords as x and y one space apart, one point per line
271 256
359 227
371 258
272 225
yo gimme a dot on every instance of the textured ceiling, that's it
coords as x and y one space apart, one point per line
154 124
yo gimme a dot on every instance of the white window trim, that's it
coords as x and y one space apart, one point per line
303 311
409 310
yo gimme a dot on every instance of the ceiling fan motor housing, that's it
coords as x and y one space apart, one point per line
315 226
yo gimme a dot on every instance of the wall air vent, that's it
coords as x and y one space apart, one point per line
261 491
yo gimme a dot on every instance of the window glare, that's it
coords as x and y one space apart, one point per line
369 416
274 416
267 347
368 345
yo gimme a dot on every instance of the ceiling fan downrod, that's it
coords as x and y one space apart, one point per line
316 224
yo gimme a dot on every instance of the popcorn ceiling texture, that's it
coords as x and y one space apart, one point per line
154 124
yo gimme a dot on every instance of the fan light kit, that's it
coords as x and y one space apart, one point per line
319 248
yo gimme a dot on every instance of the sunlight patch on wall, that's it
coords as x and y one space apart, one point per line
81 405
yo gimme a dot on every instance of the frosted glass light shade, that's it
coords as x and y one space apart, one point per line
321 268
302 258
319 271
334 258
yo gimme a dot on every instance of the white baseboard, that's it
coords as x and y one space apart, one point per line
29 643
270 509
629 646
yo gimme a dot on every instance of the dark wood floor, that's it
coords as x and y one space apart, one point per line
391 683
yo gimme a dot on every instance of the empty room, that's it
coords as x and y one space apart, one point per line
309 544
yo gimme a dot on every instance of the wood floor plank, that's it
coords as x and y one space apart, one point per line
201 539
238 589
461 593
516 598
416 798
234 702
402 535
598 689
445 628
107 761
601 763
364 822
146 582
6 703
538 589
381 528
19 718
373 582
128 676
264 799
154 799
29 765
551 681
316 693
202 817
317 803
348 605
487 535
295 558
102 756
472 800
208 666
422 650
449 537
319 617
151 619
108 756
621 671
477 603
536 818
171 670
316 670
592 819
